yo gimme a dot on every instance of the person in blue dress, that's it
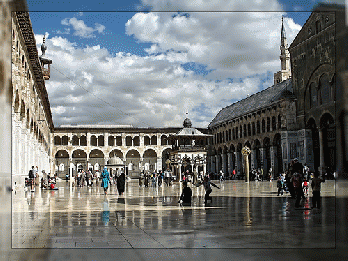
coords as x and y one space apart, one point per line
106 180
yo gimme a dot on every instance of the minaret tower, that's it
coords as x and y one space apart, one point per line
285 71
45 62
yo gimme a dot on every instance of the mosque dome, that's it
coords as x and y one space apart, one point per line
187 123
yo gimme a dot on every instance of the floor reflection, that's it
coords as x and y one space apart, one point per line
239 216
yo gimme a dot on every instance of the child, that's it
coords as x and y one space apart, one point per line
305 187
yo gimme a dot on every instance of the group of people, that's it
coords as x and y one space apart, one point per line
86 178
120 182
154 178
296 182
35 178
185 198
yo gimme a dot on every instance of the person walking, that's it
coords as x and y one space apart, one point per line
206 183
297 183
316 182
160 178
31 178
121 181
186 195
106 180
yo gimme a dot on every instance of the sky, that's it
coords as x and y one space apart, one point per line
149 62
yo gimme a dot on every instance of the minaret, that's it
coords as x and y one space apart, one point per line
285 71
45 62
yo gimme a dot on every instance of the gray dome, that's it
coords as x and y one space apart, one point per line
187 123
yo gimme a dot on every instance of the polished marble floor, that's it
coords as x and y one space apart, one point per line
240 215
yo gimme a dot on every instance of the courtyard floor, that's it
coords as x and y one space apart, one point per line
240 215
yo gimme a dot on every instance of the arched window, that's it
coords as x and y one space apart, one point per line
83 140
236 132
274 123
57 140
268 124
313 94
164 140
65 140
324 89
253 128
146 140
263 126
136 141
93 140
258 127
249 129
101 141
118 141
241 131
75 141
111 141
279 122
153 140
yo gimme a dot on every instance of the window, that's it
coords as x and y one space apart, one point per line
258 127
146 140
111 141
263 126
268 124
93 140
83 140
118 141
274 123
317 26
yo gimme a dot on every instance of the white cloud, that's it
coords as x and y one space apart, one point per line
233 44
155 90
81 29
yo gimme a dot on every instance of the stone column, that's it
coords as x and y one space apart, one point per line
106 160
158 140
253 159
321 144
88 137
179 169
229 167
212 163
106 139
273 151
223 156
123 136
263 160
245 152
217 163
238 162
159 163
141 140
70 170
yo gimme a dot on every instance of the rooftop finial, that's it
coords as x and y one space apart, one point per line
283 34
43 46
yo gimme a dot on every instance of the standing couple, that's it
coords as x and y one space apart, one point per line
121 181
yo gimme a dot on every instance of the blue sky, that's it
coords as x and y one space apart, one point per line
150 68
